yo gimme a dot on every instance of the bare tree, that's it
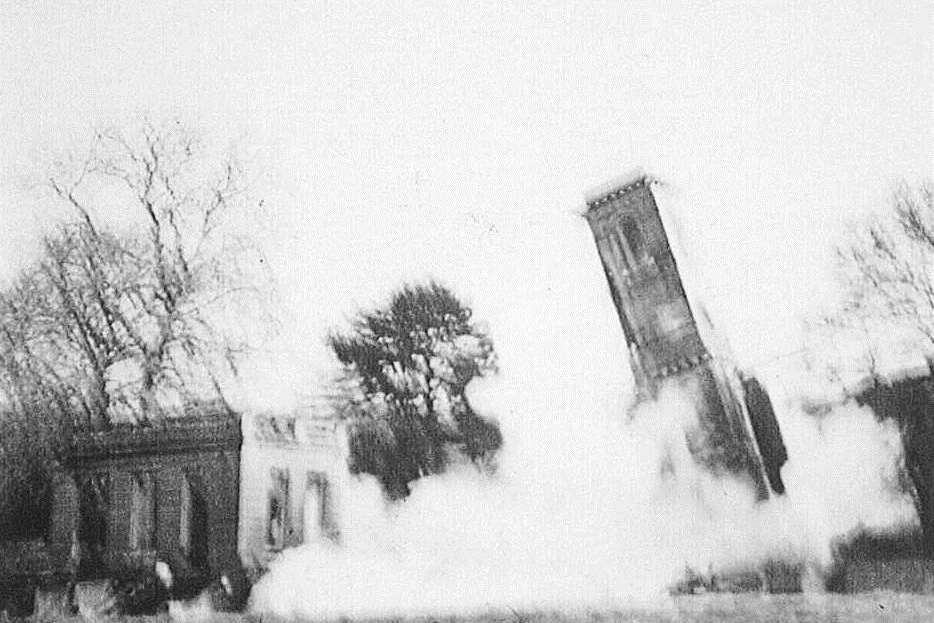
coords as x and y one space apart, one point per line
887 273
124 319
888 270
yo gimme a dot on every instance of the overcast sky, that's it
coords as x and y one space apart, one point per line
412 139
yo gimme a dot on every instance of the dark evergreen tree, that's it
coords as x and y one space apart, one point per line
409 364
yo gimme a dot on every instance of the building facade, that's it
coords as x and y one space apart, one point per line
213 495
292 467
130 495
665 343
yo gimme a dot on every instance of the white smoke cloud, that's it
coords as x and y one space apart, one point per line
582 515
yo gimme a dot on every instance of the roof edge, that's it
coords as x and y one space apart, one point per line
631 177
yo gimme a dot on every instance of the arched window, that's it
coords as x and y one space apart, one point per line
618 254
316 511
142 511
94 512
632 238
277 510
193 527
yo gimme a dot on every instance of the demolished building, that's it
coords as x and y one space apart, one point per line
210 494
735 431
128 496
292 464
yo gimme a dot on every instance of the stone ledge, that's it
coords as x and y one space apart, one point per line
218 430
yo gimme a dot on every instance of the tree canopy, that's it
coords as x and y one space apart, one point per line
409 363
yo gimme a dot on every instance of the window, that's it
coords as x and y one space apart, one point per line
632 235
142 512
93 518
626 245
316 509
277 509
184 527
670 317
193 523
617 251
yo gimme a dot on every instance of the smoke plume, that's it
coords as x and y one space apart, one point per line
589 509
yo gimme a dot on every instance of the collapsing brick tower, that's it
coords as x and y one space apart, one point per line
665 346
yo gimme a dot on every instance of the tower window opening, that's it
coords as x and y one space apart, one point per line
620 254
633 241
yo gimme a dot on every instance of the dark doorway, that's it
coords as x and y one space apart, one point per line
94 510
194 524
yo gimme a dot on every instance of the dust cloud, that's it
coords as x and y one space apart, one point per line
581 513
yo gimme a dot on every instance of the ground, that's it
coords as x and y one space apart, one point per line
741 608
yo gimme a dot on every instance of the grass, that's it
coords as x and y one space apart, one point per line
719 608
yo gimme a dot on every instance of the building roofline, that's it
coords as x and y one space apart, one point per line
213 430
890 377
616 187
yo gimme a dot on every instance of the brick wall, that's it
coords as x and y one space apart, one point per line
202 452
661 332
